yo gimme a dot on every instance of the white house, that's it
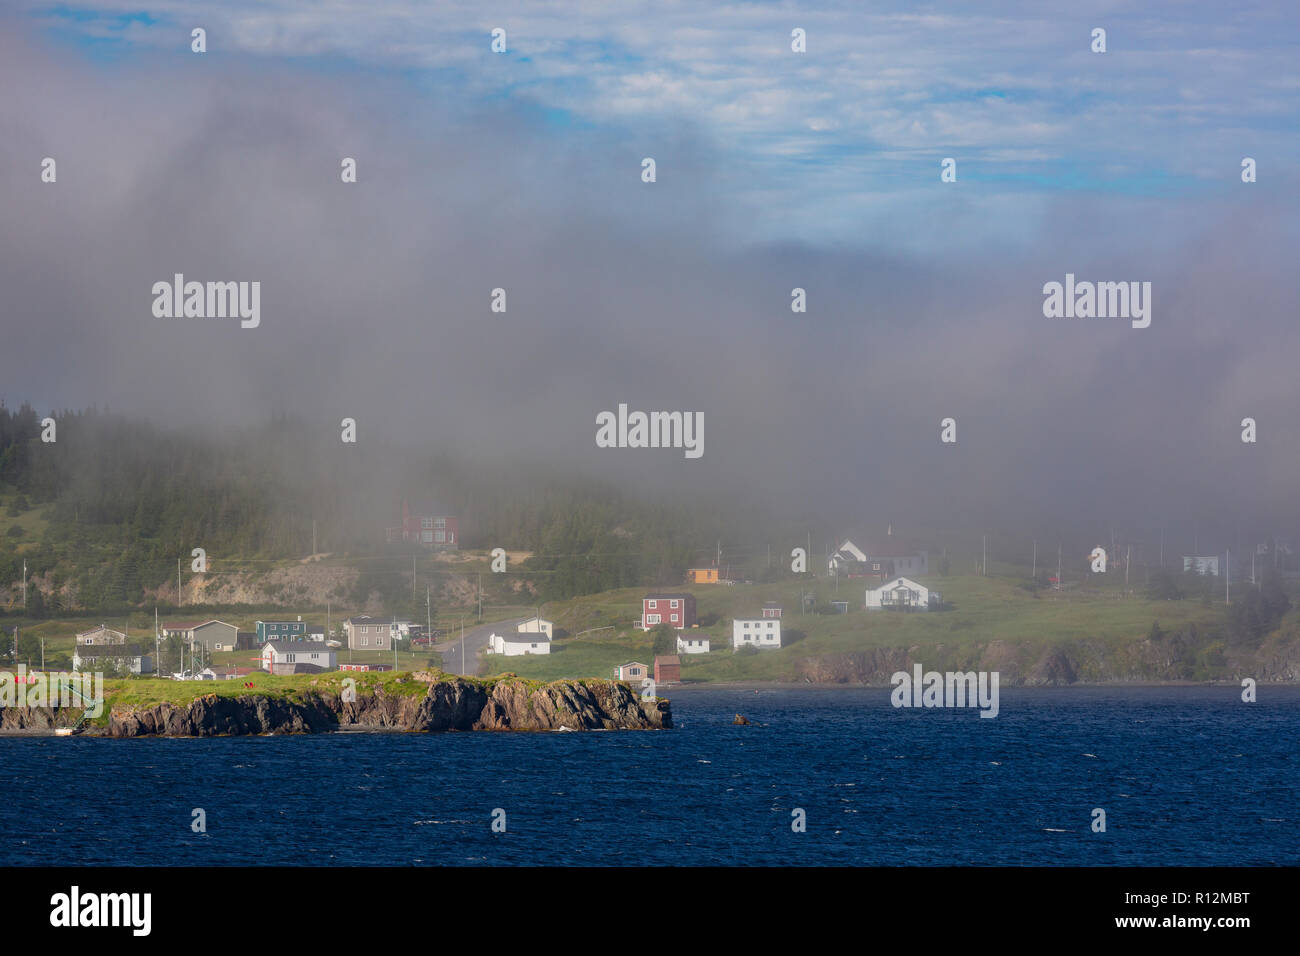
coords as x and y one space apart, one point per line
902 593
297 657
129 657
756 632
692 645
537 625
516 645
845 553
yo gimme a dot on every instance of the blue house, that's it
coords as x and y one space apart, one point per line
281 631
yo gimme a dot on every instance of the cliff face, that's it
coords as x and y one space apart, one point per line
448 705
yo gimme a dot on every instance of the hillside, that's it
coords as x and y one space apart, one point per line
1043 636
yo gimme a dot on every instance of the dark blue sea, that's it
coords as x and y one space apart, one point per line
1186 776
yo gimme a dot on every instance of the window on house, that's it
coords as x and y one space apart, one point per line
675 604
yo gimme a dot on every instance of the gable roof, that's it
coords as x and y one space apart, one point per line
675 595
668 659
901 582
299 647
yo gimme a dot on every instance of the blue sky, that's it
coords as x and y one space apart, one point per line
831 145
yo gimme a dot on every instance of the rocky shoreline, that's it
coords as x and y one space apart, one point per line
448 704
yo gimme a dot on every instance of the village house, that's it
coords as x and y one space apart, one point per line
537 625
518 644
219 672
366 633
365 667
281 630
692 645
845 557
755 632
101 635
771 609
882 560
210 635
702 576
902 594
632 671
668 670
427 524
665 607
297 657
127 657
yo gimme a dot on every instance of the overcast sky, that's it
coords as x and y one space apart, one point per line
775 170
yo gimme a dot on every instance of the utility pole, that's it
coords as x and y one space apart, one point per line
42 655
480 601
462 643
24 597
1058 566
428 620
157 643
1127 555
984 570
178 588
313 535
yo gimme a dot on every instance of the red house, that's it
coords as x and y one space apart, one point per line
427 524
668 670
668 607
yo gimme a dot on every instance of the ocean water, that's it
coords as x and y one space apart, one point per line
1186 776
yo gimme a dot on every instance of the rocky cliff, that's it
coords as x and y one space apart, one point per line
448 704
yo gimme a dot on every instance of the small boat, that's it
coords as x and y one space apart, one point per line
64 731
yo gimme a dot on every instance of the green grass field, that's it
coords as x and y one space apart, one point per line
978 610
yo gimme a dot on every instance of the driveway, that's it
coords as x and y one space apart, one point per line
458 660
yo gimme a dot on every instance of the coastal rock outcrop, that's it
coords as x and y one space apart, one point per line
447 704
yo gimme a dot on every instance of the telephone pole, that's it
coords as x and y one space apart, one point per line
984 569
24 595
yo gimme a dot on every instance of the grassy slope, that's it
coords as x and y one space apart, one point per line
983 610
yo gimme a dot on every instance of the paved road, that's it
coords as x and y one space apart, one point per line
476 639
